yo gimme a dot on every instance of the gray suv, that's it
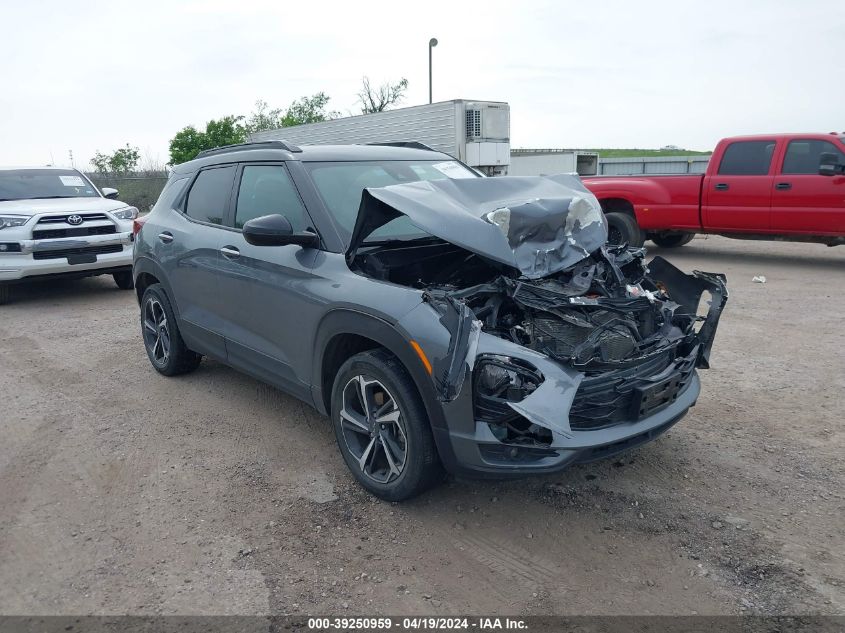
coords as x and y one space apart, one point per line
441 319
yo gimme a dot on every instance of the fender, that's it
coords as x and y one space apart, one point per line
347 321
146 265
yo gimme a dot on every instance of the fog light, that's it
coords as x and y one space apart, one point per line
10 247
499 380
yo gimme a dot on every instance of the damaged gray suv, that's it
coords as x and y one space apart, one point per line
442 320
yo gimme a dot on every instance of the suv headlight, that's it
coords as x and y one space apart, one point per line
498 380
12 220
126 213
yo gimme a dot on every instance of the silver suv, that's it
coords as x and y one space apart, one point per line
55 222
441 319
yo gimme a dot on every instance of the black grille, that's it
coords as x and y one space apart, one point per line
563 339
59 219
631 393
86 250
48 234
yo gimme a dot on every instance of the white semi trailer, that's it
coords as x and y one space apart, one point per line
545 162
475 132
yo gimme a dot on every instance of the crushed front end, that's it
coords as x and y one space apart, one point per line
578 367
551 347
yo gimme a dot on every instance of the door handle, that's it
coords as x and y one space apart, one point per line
722 186
783 185
166 237
231 252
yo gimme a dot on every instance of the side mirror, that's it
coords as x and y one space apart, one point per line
109 193
829 164
276 230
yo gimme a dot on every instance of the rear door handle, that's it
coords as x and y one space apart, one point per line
783 185
166 237
722 186
231 252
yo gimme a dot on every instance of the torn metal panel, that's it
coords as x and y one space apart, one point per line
538 226
450 370
686 291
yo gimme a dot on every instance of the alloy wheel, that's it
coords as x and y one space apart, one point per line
373 429
156 331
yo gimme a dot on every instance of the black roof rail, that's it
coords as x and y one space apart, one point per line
225 149
408 144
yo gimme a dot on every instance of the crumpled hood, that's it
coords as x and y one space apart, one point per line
538 225
59 205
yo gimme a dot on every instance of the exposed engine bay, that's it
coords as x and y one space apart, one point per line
633 332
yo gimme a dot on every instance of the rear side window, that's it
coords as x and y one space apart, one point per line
747 158
804 156
208 198
266 190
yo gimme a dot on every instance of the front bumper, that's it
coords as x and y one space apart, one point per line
478 453
35 257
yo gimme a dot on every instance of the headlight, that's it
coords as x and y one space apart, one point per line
126 213
498 380
12 220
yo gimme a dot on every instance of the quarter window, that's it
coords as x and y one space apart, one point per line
268 190
747 158
804 156
208 198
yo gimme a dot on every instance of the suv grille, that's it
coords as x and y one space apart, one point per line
48 234
624 394
62 219
86 250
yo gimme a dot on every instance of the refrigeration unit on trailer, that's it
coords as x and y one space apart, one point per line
475 132
546 162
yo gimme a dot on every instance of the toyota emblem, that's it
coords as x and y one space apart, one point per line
74 219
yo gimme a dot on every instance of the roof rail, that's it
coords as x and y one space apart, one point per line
408 144
225 149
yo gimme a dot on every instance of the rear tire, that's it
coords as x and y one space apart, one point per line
124 280
672 240
166 350
382 428
623 229
5 293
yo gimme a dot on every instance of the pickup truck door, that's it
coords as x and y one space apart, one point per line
737 193
804 202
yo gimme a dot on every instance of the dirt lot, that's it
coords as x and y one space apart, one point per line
125 492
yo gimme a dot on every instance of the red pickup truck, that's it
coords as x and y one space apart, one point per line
770 187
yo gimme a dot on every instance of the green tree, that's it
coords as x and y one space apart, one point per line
308 110
124 160
101 163
189 141
379 99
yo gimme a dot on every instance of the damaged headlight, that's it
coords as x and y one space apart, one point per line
498 380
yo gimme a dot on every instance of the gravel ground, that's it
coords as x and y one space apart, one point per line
122 491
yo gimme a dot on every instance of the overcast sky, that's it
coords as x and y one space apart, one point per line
87 76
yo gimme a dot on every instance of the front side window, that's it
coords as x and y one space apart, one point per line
747 158
31 184
804 156
267 190
208 198
340 185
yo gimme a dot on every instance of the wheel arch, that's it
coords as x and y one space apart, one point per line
147 272
342 334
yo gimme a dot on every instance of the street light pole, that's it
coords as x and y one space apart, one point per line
431 44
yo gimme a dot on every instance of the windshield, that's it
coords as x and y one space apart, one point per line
340 186
27 184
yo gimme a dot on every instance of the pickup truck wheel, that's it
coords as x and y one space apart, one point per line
623 229
382 428
672 240
124 280
4 293
165 348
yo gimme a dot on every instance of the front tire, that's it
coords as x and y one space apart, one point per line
124 280
382 428
622 228
672 240
165 348
5 293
